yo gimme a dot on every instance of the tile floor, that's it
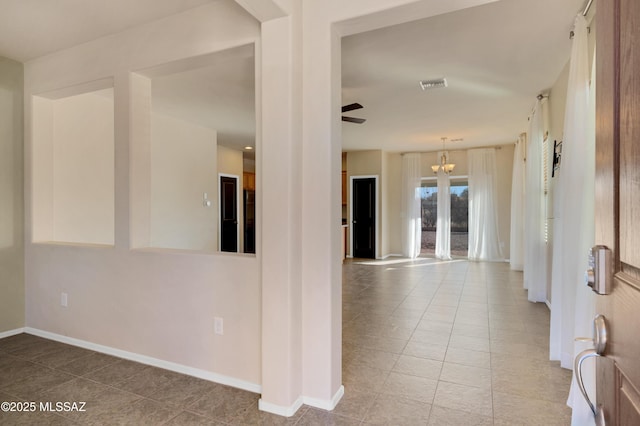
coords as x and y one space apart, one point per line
425 343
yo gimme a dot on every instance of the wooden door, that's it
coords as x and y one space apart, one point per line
364 217
228 213
618 204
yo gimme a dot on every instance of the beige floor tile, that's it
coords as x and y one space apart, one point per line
355 404
468 357
464 398
410 387
441 416
371 358
466 375
117 372
394 411
430 337
513 409
420 367
363 378
472 343
27 386
186 418
425 350
314 417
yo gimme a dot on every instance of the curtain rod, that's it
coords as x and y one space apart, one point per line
587 7
456 150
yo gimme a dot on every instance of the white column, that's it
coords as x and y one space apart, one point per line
321 215
279 192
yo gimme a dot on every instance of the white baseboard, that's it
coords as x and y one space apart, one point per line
143 359
279 409
323 403
386 256
10 333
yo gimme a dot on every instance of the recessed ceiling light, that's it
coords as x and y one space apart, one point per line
248 148
433 84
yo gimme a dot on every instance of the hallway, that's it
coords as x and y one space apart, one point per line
425 342
446 343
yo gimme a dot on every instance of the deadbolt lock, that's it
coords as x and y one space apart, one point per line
599 276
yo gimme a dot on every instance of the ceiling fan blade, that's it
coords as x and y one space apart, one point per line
351 107
353 120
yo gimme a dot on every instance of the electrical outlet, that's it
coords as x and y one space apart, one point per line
218 326
64 299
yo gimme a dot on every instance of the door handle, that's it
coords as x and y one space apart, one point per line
600 345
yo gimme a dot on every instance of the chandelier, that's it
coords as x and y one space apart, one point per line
446 167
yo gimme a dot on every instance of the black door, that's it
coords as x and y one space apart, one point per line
228 213
364 218
249 221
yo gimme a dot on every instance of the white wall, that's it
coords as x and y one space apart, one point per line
83 151
183 168
11 196
157 303
73 144
391 204
367 163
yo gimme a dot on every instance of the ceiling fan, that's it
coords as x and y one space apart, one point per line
351 107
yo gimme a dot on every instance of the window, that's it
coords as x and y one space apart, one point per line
459 216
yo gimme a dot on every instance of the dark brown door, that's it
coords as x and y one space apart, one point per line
364 217
618 204
228 213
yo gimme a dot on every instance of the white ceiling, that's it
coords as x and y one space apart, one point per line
496 58
34 28
215 91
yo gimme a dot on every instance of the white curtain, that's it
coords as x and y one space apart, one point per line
516 258
411 216
443 224
535 250
573 305
484 240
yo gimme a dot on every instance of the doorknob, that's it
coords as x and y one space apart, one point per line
600 345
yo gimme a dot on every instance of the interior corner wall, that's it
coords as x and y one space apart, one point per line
156 303
83 169
11 196
183 161
366 163
391 239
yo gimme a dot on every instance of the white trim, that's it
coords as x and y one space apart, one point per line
10 333
143 359
238 200
376 226
548 304
391 255
323 403
279 409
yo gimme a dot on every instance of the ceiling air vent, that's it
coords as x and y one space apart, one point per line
433 84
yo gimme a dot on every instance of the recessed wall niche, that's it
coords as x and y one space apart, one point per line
73 165
190 123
